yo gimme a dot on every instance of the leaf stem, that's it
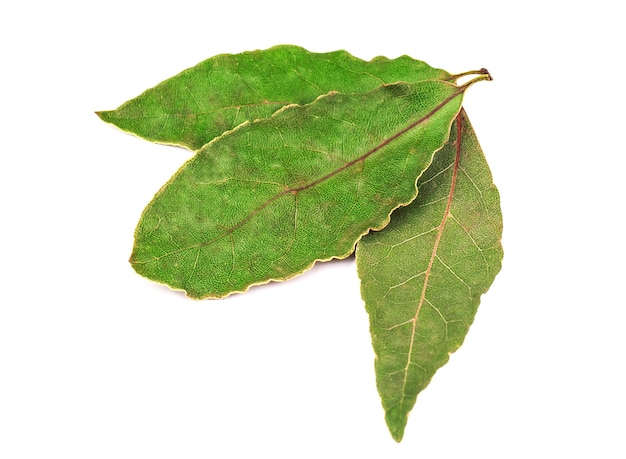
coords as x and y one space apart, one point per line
482 71
485 76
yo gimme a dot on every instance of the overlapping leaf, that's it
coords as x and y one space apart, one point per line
267 200
422 277
202 102
271 197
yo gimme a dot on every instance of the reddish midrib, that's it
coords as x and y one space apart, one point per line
361 158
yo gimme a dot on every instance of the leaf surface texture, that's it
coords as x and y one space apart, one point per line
268 199
303 156
422 277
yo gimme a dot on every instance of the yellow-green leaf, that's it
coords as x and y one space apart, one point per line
268 199
422 277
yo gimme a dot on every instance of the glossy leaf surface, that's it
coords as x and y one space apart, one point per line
422 277
268 199
202 102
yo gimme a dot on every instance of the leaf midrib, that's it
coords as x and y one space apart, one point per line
294 191
433 254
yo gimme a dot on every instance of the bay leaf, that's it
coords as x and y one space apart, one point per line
266 200
218 94
422 277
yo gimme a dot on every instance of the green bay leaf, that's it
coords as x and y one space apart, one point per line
218 94
268 199
422 277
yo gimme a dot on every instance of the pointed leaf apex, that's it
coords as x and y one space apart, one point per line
396 422
104 115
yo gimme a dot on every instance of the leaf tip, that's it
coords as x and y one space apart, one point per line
396 422
102 115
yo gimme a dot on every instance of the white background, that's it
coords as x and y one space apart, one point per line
97 362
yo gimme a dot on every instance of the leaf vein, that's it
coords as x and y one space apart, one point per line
445 265
473 241
433 256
